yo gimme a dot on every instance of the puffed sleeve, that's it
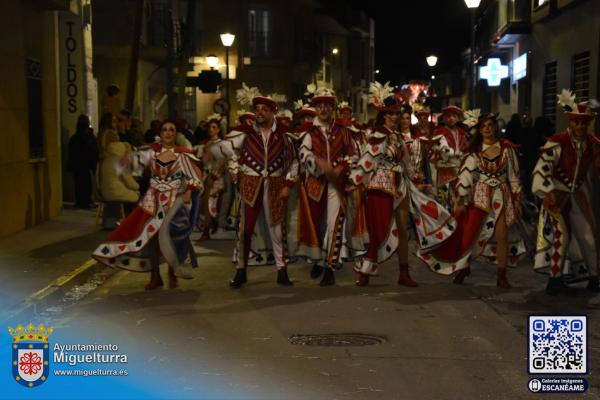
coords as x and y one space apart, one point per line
543 181
307 157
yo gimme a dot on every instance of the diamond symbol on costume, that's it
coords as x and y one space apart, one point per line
105 250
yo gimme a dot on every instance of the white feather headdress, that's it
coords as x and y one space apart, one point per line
378 93
285 114
245 95
241 112
278 98
299 105
321 88
566 99
471 117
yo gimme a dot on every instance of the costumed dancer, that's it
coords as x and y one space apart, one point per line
262 160
385 171
161 225
449 159
566 223
214 173
327 152
487 208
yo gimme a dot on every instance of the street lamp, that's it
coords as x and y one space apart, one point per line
227 40
472 5
335 51
431 60
212 61
376 71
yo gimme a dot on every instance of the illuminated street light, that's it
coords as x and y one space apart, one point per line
335 50
432 76
227 39
376 71
431 60
212 60
472 3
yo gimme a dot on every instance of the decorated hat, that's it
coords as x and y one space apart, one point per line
244 115
251 96
576 111
214 118
303 110
344 106
383 97
421 109
321 92
285 114
452 110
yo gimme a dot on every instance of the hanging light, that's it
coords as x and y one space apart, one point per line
227 39
212 60
431 60
472 3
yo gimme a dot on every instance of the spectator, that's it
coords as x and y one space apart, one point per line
531 141
83 157
513 129
183 128
124 126
112 102
201 132
137 132
543 126
153 133
108 132
116 182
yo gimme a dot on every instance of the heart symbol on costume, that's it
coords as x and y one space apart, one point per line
426 257
439 235
395 232
151 229
430 209
358 178
375 149
122 247
496 205
417 221
164 197
453 267
368 164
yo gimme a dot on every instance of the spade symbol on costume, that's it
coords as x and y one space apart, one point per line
160 215
546 182
450 227
513 250
259 258
125 261
546 168
424 242
437 267
138 243
547 257
547 231
105 250
388 248
490 224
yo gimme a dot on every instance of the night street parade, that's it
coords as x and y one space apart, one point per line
310 199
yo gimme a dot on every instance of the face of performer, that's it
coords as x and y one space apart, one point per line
307 119
346 114
324 111
579 126
390 119
404 122
423 119
488 131
168 133
213 130
450 119
264 115
249 121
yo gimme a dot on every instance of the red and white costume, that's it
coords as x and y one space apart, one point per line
170 178
488 187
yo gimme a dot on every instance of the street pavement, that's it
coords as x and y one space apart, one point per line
439 341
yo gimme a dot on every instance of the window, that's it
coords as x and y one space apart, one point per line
580 76
549 92
260 33
34 106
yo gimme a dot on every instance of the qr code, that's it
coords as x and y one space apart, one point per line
557 344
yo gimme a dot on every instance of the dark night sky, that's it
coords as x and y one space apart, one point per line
408 31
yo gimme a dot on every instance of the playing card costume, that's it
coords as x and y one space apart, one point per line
385 172
567 248
264 165
161 215
489 186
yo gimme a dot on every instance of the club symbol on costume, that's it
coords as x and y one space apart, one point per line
30 354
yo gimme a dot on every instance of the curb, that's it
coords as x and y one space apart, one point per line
56 290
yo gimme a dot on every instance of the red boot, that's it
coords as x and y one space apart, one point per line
155 280
501 280
404 278
462 274
363 279
172 278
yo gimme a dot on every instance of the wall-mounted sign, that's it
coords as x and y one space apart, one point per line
493 72
519 69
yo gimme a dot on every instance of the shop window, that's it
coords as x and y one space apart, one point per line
260 33
34 107
580 76
549 91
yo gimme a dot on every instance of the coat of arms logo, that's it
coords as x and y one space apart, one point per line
30 354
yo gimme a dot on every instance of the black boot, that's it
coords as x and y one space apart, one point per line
554 287
316 271
282 277
239 279
593 284
328 278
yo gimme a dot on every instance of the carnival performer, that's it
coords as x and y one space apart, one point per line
487 208
214 173
432 144
262 160
327 152
161 224
566 223
449 158
416 148
385 171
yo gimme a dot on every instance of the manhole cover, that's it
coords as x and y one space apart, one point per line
338 339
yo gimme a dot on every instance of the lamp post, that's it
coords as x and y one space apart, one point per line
227 40
472 5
